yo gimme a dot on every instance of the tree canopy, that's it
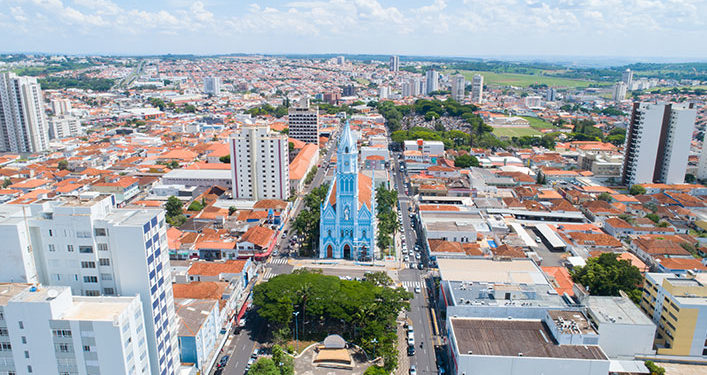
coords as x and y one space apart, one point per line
306 224
358 310
606 275
466 161
637 190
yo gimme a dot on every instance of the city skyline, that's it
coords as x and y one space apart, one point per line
636 29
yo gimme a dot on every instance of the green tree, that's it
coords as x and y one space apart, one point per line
225 159
172 164
63 165
6 182
637 190
466 161
231 210
378 278
306 224
283 361
195 206
173 206
653 217
690 178
606 275
604 197
375 370
654 369
264 366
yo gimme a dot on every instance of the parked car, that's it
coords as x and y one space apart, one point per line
413 370
420 266
411 350
255 353
222 362
411 341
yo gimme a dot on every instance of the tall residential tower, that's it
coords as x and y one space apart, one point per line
658 143
303 122
23 123
477 88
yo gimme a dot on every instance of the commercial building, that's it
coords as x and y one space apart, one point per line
458 85
87 244
658 143
619 91
46 330
212 86
394 63
23 123
678 306
432 78
259 163
624 330
477 88
303 122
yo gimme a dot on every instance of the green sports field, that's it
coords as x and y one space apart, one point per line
515 132
523 80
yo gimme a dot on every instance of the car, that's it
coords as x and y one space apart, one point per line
222 362
411 350
223 331
413 370
417 289
406 259
411 330
411 341
250 363
241 323
417 256
255 353
420 266
412 266
538 240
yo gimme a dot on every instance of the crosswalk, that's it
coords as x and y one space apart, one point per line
411 284
269 274
277 260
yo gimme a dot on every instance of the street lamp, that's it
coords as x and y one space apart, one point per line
296 333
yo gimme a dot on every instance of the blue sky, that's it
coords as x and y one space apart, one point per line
625 28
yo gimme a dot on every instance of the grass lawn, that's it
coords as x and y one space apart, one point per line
538 123
514 132
362 81
523 80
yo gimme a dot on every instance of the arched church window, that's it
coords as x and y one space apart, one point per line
347 149
364 233
329 232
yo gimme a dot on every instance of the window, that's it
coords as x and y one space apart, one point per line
83 234
100 231
108 291
102 246
85 249
51 247
61 333
86 348
90 279
24 339
29 368
63 348
104 262
106 277
93 293
22 325
3 332
5 347
50 233
70 248
26 354
88 264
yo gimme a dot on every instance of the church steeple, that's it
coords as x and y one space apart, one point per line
347 154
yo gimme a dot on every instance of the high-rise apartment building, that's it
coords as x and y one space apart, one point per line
23 123
619 91
432 78
46 330
349 90
458 86
60 106
212 86
477 88
63 126
678 306
259 163
406 89
340 60
394 63
627 78
702 164
551 94
658 143
95 249
303 122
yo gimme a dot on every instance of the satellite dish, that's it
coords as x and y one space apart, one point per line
52 293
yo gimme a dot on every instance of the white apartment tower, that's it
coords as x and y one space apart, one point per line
64 126
702 166
212 86
259 163
658 143
303 122
406 89
46 330
432 77
60 106
627 77
394 63
619 91
23 123
85 243
477 88
458 85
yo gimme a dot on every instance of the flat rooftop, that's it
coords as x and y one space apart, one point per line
574 322
504 337
9 290
516 271
616 310
97 308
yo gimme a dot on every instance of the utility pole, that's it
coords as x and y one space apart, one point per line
296 333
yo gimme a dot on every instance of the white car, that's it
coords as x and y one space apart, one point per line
417 289
411 341
406 259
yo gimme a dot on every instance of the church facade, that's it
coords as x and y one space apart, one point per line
347 224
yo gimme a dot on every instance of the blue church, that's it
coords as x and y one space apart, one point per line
347 228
